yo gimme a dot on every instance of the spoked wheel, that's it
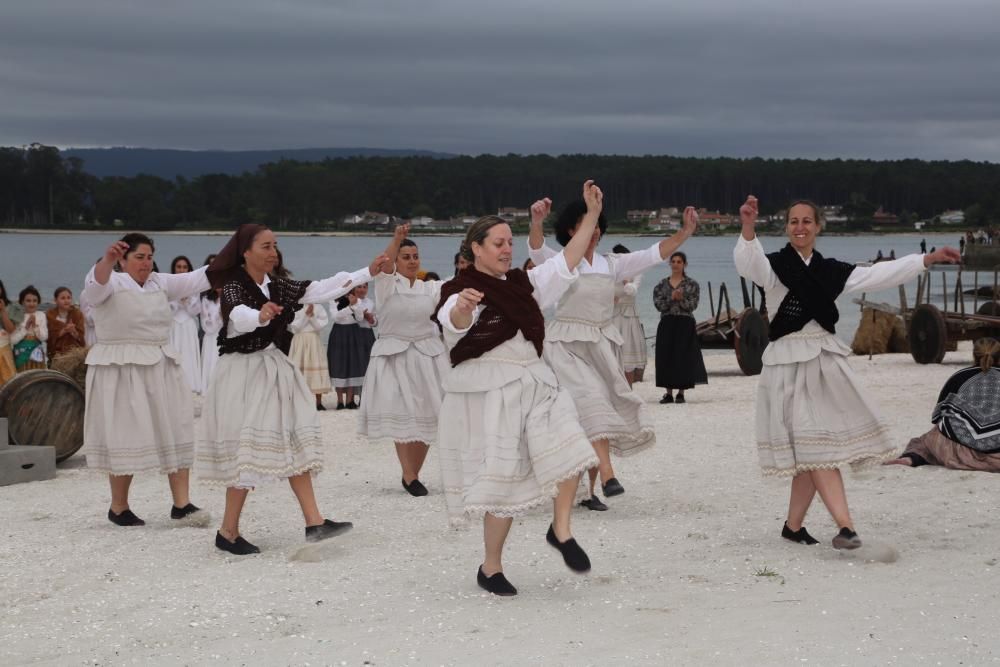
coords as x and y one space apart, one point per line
751 339
928 334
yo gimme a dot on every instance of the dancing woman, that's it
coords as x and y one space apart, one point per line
260 415
581 340
509 436
401 396
626 320
139 413
813 417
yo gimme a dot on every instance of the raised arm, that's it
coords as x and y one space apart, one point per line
748 255
540 210
669 245
392 249
180 285
97 285
577 246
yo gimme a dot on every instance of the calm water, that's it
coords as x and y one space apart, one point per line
51 260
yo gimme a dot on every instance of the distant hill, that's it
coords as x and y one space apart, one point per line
170 163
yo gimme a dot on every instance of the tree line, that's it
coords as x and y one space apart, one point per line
39 188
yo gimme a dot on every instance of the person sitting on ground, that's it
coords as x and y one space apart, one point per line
966 435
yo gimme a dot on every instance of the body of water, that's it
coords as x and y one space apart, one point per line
50 260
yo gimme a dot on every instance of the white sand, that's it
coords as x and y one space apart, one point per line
679 562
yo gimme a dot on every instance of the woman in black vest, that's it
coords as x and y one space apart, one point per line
259 417
812 415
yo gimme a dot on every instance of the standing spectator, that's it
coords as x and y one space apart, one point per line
30 335
65 323
306 352
679 364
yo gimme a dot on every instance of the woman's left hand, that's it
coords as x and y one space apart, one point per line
946 255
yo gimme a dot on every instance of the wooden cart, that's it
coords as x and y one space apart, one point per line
744 331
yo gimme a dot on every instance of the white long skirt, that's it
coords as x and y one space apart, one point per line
138 419
260 422
401 397
505 451
633 352
209 358
184 339
306 353
814 415
608 407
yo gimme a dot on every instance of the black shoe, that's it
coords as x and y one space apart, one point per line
496 584
846 539
680 399
594 504
415 488
800 535
341 406
327 529
612 488
353 406
573 554
238 547
181 512
667 398
320 406
126 518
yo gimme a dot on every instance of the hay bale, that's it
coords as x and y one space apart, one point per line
73 364
874 332
898 342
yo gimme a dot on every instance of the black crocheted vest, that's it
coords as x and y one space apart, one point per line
245 292
812 291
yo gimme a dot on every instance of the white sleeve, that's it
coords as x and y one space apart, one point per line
444 316
551 280
194 306
320 316
94 292
884 275
631 288
18 334
245 319
541 255
43 327
385 287
342 316
179 285
631 264
751 263
331 289
297 324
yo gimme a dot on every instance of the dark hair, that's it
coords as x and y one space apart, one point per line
173 263
30 289
817 213
570 217
524 267
478 231
620 249
406 243
208 260
432 275
60 290
279 270
678 253
134 240
3 294
458 255
986 353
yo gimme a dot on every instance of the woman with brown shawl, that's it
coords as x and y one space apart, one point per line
66 324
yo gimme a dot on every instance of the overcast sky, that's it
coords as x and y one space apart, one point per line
776 78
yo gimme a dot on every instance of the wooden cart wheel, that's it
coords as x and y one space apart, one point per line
928 334
750 341
991 308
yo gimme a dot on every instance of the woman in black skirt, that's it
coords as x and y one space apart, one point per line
350 345
678 355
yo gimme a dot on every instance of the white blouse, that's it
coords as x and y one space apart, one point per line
305 324
176 285
628 266
211 316
355 314
40 329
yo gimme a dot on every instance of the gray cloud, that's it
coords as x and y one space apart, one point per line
726 77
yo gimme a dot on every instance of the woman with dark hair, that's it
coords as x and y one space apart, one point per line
184 329
679 364
139 412
509 436
306 350
401 396
626 319
260 422
350 345
65 323
31 333
581 341
966 435
813 417
7 326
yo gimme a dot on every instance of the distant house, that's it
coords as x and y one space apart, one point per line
667 218
883 217
954 217
714 219
833 215
638 217
368 218
421 221
513 214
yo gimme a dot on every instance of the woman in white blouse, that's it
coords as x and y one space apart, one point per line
306 351
813 417
184 329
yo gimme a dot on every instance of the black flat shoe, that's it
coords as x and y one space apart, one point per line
353 406
238 547
415 488
341 406
573 554
496 584
178 513
846 539
667 398
327 529
125 518
800 535
594 504
680 399
320 406
613 488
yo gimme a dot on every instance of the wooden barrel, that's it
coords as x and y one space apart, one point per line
44 408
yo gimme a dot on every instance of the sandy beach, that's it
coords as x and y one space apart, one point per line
688 564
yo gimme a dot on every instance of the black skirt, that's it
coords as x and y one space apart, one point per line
347 354
679 364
